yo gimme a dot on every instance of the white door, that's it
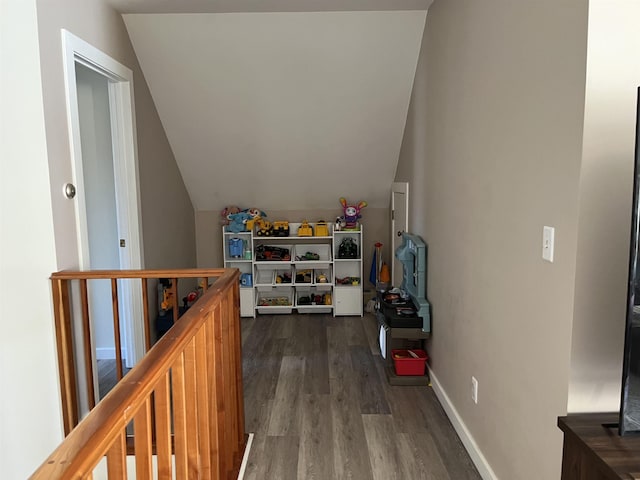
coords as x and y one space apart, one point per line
102 131
399 224
99 196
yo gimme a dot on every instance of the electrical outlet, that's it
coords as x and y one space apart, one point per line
474 389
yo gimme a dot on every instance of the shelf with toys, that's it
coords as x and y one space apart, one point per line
304 266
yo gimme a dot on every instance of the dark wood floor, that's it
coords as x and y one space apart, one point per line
107 376
317 400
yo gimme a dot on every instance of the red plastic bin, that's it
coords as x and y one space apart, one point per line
406 364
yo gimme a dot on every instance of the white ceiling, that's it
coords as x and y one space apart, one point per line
280 110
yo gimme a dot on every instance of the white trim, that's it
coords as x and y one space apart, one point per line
245 457
106 353
398 187
123 126
479 460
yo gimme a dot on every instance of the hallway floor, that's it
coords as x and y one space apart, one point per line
319 404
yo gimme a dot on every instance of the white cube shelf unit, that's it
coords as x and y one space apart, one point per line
308 274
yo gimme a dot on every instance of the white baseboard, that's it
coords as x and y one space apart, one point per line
479 460
107 353
245 457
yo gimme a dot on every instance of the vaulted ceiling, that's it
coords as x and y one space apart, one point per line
270 107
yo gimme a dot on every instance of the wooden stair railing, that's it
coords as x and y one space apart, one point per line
184 398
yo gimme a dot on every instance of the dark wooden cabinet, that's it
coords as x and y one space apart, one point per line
593 450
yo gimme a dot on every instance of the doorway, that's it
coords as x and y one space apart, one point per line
399 225
104 159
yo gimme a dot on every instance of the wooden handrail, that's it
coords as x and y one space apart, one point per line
191 379
67 360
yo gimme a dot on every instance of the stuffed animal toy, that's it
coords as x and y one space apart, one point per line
238 222
255 214
225 212
351 213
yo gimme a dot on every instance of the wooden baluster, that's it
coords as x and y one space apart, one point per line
86 342
212 382
145 315
162 404
117 457
202 391
237 366
147 342
219 382
179 417
143 441
229 384
191 406
197 369
64 343
176 301
116 327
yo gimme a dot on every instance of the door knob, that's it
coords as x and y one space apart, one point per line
69 190
400 232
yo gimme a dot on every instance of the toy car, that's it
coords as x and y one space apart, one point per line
307 256
322 229
280 229
348 248
305 230
271 254
265 229
303 276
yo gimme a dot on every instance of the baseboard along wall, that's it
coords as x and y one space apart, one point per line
479 460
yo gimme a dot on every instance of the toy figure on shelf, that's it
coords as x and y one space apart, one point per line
225 212
238 222
351 214
255 215
264 228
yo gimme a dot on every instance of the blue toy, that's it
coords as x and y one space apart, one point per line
236 247
238 222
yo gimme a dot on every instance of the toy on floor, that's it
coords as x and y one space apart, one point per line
351 213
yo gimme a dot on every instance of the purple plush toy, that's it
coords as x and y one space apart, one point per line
351 213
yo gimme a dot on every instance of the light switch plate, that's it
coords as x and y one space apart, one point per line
548 234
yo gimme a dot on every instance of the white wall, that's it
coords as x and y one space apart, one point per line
492 151
167 214
606 185
30 422
37 223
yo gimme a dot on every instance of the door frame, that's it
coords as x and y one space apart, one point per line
126 175
397 187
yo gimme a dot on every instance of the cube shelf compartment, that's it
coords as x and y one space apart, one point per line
293 272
